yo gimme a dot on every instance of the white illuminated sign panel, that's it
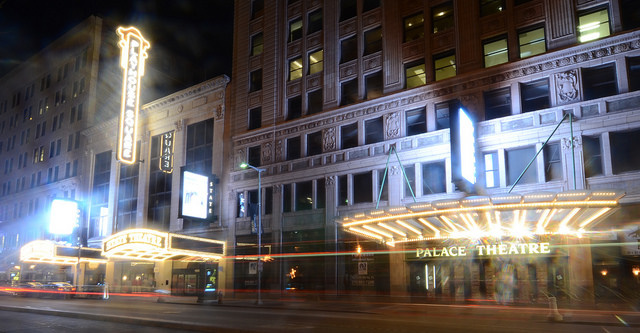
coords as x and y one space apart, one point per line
485 250
195 195
166 152
467 147
133 54
64 216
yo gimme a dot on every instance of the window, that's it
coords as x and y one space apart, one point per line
531 42
314 143
491 172
159 206
348 9
349 136
294 108
293 148
599 81
593 25
253 156
314 102
368 5
552 162
495 52
633 73
442 17
413 27
373 131
343 194
199 147
488 7
416 121
535 95
257 44
383 185
442 113
304 196
592 156
624 156
363 187
295 30
444 65
286 198
255 118
315 21
349 92
100 195
257 8
348 49
320 193
373 41
516 160
409 189
295 69
434 178
268 200
315 61
255 80
497 103
630 12
127 196
373 87
415 75
241 205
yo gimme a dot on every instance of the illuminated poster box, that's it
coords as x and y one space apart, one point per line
463 149
64 216
197 196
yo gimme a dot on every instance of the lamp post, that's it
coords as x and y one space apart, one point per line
259 170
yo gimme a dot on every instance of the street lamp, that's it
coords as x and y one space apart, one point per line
259 170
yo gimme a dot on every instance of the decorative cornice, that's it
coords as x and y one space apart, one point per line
196 90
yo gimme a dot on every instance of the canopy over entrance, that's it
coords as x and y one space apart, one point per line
46 251
152 245
507 215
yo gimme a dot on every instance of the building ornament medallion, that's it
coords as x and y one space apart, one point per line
567 86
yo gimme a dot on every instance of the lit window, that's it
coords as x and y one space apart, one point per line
415 75
315 61
442 17
495 52
531 43
593 25
488 7
257 45
295 69
445 66
413 27
491 175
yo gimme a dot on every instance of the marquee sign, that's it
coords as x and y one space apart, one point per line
166 152
500 249
146 238
133 55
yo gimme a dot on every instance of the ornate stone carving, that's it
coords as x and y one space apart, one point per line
279 151
394 170
329 139
567 86
566 143
330 181
277 188
219 112
392 125
240 157
266 152
178 124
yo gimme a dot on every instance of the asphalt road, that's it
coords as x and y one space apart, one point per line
300 316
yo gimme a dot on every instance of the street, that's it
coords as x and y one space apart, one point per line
294 315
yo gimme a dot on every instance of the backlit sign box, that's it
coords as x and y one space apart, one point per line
133 55
64 216
197 198
463 148
166 152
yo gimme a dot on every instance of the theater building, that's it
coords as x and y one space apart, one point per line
346 106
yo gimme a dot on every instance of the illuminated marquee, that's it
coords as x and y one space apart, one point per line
157 240
45 251
166 152
133 54
501 249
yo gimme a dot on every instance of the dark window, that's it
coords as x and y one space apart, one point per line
410 188
363 187
592 156
286 198
624 152
373 41
253 156
199 148
373 131
304 198
497 103
255 80
434 178
255 118
442 17
599 81
257 8
343 194
633 69
295 29
368 5
383 185
373 87
294 108
416 121
349 92
349 136
348 49
127 196
159 206
98 223
268 200
315 21
320 193
257 44
535 95
442 113
413 27
552 162
314 143
314 102
516 161
630 14
488 7
293 148
348 9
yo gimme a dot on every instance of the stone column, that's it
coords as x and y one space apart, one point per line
580 270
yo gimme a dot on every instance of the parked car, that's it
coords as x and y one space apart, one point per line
58 290
28 289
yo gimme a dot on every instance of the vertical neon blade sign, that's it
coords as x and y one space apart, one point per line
133 53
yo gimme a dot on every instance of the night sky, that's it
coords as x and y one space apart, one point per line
193 36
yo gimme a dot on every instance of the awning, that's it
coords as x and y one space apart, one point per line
507 215
46 251
152 245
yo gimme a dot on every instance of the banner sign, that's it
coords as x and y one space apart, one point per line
166 152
